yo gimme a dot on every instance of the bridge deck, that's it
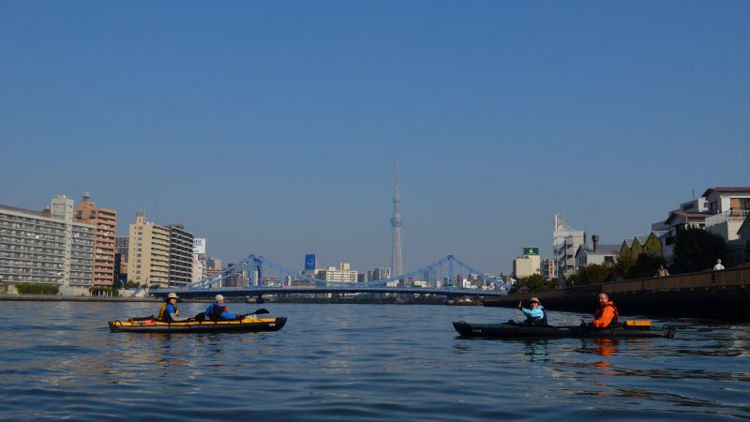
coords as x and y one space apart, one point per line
259 291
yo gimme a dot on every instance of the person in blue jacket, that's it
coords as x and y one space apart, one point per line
169 311
218 312
536 315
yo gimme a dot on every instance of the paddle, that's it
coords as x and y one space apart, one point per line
258 312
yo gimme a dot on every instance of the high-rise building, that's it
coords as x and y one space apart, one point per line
105 227
396 222
180 256
121 246
199 259
548 269
46 247
148 263
380 273
213 263
565 243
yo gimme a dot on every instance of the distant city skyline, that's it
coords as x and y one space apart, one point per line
273 129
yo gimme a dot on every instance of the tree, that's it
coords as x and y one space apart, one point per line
536 282
573 280
622 264
593 274
646 266
697 250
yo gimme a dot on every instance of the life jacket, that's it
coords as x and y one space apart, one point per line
540 322
615 319
214 312
164 315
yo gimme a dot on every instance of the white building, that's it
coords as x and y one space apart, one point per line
596 254
46 247
565 243
720 210
199 259
728 206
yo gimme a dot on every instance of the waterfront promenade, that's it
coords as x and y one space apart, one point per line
708 294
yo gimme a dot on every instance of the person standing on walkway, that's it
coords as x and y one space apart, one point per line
718 266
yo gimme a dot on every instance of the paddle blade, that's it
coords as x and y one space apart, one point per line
260 311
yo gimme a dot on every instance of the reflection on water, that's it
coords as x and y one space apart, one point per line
334 362
535 349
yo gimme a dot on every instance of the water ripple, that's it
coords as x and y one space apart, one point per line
349 362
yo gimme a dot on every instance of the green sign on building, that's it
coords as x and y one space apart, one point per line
531 250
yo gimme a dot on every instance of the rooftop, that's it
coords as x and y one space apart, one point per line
709 191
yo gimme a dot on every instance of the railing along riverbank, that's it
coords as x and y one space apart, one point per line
709 294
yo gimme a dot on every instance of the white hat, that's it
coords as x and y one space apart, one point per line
219 297
172 296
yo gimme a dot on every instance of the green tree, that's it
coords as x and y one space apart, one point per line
536 282
622 264
573 280
593 274
646 266
697 250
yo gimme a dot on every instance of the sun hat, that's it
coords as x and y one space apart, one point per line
172 296
535 299
219 297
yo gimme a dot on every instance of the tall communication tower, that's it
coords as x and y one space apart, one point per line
398 266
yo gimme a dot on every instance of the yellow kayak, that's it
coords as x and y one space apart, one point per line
152 325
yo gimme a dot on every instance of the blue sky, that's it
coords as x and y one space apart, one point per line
272 127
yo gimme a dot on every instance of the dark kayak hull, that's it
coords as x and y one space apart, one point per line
248 325
505 330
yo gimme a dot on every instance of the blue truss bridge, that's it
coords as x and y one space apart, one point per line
439 278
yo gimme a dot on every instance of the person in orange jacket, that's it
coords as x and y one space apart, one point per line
606 314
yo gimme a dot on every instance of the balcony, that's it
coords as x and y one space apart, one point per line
726 216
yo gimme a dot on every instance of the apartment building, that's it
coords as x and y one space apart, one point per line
548 269
46 247
148 253
180 256
343 273
105 226
565 243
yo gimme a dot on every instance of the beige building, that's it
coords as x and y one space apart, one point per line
343 273
148 253
105 226
528 264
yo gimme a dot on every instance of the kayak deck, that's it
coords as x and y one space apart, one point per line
248 324
505 330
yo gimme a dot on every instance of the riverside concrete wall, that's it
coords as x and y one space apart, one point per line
710 294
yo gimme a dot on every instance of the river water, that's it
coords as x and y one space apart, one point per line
358 362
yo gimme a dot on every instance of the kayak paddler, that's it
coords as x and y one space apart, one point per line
606 314
218 312
536 315
169 310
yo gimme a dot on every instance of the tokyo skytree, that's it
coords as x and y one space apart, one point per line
398 266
